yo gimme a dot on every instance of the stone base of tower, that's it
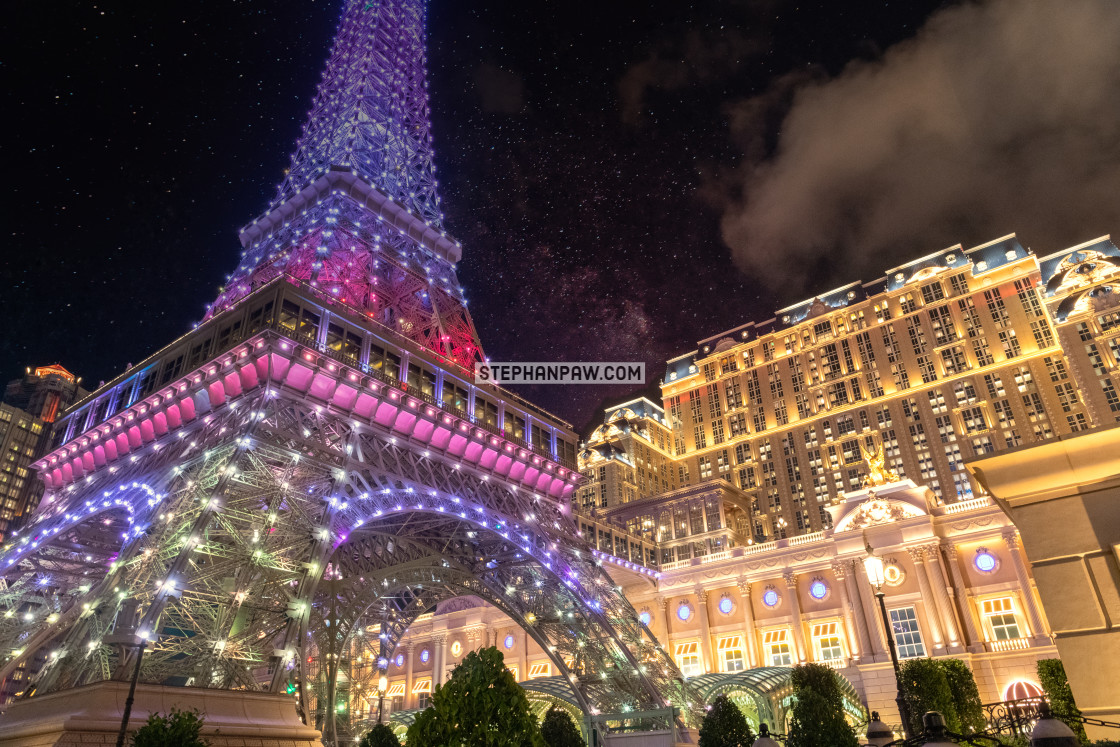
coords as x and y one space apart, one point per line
91 715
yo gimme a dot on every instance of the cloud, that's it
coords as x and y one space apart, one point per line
500 91
998 116
698 57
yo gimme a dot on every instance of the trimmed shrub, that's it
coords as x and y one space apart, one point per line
559 730
481 704
1052 677
380 736
177 729
926 688
818 713
966 696
725 726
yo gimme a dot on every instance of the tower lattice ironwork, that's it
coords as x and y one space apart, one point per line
274 498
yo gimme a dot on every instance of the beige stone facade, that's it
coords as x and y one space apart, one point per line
1065 498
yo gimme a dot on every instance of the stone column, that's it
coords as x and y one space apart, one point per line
795 611
657 620
523 658
1038 630
666 619
856 643
409 650
941 593
439 659
961 592
705 631
871 613
917 555
748 624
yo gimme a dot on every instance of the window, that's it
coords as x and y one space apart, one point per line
731 654
540 669
933 292
907 636
1000 616
423 690
688 659
344 343
826 642
777 648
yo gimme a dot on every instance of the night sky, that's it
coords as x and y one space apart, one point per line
626 178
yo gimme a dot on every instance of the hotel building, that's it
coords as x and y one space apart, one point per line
734 512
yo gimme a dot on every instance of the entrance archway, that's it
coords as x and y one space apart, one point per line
417 554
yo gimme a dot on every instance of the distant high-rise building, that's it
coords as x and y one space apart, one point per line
31 404
44 392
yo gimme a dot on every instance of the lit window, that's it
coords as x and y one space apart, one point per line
644 616
456 648
684 611
731 653
726 605
540 669
778 651
399 660
907 635
395 690
826 641
425 655
422 686
1000 614
688 658
771 598
818 590
508 642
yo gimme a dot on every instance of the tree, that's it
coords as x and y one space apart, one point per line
1052 677
818 711
177 729
559 730
480 706
380 736
725 726
926 688
966 696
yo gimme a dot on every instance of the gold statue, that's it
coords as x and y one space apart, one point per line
876 461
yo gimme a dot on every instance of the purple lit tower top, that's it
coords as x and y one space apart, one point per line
371 111
357 217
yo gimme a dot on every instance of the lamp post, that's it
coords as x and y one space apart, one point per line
382 686
876 574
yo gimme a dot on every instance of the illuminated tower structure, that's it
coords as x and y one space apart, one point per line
274 497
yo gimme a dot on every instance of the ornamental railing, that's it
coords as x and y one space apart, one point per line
1012 717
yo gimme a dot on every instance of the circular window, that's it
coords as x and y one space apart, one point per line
425 655
684 611
818 590
893 575
508 642
726 605
770 598
399 661
456 648
985 561
645 617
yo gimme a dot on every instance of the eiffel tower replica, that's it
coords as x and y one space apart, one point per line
282 491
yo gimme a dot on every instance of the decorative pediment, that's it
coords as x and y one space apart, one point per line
875 511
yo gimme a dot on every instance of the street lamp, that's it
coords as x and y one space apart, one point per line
382 686
876 574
